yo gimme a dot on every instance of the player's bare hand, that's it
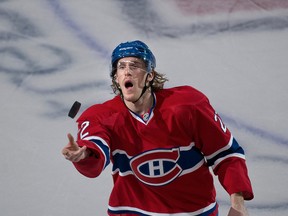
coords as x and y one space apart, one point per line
237 205
72 151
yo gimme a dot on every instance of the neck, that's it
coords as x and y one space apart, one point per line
142 105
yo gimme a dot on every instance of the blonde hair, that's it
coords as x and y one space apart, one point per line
156 84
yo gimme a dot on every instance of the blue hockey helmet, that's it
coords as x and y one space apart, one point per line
136 49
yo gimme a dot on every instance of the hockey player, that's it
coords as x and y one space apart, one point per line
161 143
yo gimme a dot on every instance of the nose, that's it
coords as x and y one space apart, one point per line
127 70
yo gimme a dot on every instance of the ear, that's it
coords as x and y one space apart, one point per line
116 79
150 76
116 82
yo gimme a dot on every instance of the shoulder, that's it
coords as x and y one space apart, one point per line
103 110
181 95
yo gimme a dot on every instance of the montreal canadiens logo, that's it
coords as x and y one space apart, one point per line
157 167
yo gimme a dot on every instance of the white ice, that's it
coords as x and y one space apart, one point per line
53 52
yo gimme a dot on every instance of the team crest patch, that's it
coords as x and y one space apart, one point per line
157 167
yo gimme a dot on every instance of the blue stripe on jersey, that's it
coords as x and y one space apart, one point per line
190 158
235 148
121 162
104 149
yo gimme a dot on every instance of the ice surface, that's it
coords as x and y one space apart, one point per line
54 52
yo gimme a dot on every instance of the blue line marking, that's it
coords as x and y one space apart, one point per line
79 32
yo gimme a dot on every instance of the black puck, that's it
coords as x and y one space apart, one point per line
74 109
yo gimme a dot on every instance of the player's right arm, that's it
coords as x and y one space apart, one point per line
84 157
92 152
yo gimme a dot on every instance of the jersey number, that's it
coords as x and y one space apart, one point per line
84 125
217 118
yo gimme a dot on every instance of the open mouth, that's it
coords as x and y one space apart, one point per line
128 84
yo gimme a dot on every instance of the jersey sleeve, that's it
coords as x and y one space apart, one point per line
95 136
221 150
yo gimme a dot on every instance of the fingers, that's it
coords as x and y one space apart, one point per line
71 139
81 154
70 147
72 151
76 156
234 212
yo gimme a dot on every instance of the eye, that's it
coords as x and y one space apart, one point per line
120 67
133 67
136 65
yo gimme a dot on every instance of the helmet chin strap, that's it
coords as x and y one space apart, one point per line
143 90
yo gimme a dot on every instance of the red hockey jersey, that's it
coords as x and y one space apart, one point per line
160 166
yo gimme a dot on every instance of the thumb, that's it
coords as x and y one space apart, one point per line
83 152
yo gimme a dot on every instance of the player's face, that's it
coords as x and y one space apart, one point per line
130 75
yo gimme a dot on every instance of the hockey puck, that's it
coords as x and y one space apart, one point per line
74 109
